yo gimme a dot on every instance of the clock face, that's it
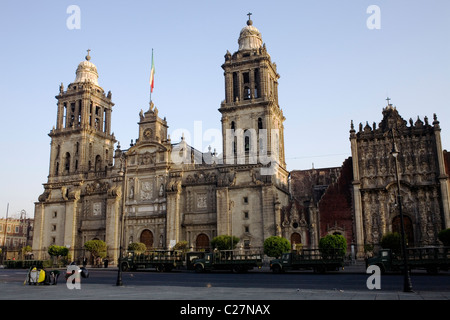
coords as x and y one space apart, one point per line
147 133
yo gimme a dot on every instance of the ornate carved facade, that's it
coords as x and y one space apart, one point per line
422 175
161 192
168 192
360 199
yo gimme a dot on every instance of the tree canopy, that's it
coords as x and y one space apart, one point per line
333 244
223 242
96 247
275 246
58 251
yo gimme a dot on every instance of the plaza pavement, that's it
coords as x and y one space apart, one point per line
89 291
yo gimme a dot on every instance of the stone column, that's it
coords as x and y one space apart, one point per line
60 115
229 87
173 216
38 230
71 221
223 212
357 204
113 223
443 178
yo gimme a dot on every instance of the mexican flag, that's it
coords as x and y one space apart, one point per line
152 75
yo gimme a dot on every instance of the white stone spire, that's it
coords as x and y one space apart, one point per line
250 37
87 71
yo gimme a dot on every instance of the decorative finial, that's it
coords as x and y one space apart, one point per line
388 100
249 22
88 57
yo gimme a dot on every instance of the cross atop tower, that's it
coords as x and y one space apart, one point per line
388 100
249 22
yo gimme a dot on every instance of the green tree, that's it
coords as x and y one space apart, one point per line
333 244
223 242
181 245
58 251
26 250
275 246
96 247
444 236
137 247
392 240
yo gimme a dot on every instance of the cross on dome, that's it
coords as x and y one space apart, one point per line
249 22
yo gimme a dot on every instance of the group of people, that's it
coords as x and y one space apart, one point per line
97 262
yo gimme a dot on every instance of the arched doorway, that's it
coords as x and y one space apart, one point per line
147 238
409 232
296 238
202 241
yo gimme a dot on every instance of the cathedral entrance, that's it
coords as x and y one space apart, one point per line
147 238
202 242
295 239
409 232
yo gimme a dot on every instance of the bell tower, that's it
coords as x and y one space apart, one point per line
253 144
252 120
82 142
80 201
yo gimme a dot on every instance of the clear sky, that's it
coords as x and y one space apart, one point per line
333 69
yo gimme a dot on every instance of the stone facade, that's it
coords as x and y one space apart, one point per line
360 199
320 204
168 192
160 193
421 170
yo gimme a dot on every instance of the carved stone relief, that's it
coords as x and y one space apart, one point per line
146 190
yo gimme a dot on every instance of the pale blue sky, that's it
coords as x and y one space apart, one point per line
333 70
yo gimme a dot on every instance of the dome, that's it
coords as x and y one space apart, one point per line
250 37
87 71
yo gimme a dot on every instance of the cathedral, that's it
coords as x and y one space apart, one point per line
160 193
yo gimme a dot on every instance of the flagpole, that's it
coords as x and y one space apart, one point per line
151 79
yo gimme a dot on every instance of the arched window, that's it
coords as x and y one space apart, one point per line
147 238
296 238
65 115
247 144
235 87
407 223
98 163
233 127
202 241
247 93
260 124
67 162
257 83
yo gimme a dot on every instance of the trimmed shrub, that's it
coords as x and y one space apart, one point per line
332 245
275 246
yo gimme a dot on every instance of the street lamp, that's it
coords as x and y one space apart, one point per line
123 171
407 286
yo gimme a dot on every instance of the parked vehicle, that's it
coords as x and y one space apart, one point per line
232 260
308 259
161 260
431 259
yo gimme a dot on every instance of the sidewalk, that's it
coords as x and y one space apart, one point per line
93 291
17 291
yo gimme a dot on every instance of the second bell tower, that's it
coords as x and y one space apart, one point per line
252 120
82 142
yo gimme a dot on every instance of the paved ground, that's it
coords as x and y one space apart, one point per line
94 291
17 291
